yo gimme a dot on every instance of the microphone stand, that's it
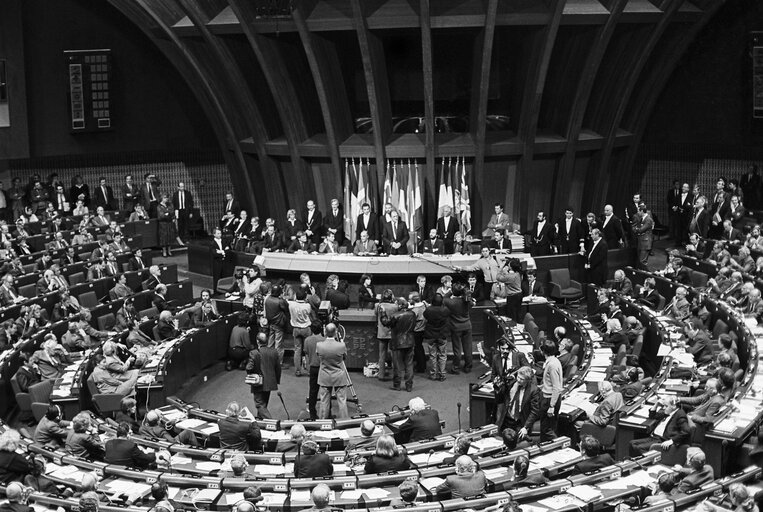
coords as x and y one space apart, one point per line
284 405
459 417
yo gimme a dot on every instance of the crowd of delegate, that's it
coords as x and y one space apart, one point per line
528 387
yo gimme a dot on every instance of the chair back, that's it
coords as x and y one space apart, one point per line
638 345
88 300
532 329
150 312
76 278
606 434
22 399
155 330
719 328
106 322
560 276
28 290
698 279
661 304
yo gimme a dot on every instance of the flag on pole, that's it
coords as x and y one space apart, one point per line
350 193
413 192
445 194
463 206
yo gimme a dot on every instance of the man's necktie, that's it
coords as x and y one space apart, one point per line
517 405
181 206
394 231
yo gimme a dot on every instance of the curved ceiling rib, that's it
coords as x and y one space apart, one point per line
161 35
299 183
600 192
565 192
243 112
430 144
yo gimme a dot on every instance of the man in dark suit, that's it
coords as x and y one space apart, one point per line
596 259
507 374
238 434
648 295
674 211
531 285
671 430
310 463
477 291
425 291
301 245
612 228
396 235
182 200
594 459
499 243
447 225
570 235
103 195
541 236
313 221
750 185
368 221
123 451
433 245
423 423
271 241
730 233
130 194
685 211
149 194
5 205
264 361
136 263
700 219
154 278
231 205
334 221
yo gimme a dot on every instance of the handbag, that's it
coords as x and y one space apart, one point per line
253 379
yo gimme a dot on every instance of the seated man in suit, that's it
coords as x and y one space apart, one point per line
696 473
100 219
423 423
433 245
329 245
594 459
672 430
531 285
364 246
154 278
500 244
648 295
125 452
466 483
611 402
476 290
312 463
301 245
120 290
699 344
236 433
160 298
136 262
621 283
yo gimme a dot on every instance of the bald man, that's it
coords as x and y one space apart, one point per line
611 228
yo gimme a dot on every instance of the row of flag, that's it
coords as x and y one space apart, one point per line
403 184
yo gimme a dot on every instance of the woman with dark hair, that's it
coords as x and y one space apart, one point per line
521 477
165 215
366 294
128 413
387 457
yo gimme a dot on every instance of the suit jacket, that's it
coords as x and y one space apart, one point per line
315 224
373 227
500 221
50 433
677 429
537 288
480 292
463 486
106 201
264 361
436 247
505 245
134 198
570 242
296 245
399 235
701 224
290 230
7 295
332 372
124 452
450 232
134 264
329 247
694 479
420 426
594 463
236 434
272 243
427 294
612 231
313 466
145 197
597 260
335 224
232 207
369 247
529 408
188 200
733 236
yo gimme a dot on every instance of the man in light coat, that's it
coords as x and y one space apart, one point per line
332 373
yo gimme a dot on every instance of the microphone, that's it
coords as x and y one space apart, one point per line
431 452
284 405
459 417
168 460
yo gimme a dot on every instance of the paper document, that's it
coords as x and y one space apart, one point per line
431 482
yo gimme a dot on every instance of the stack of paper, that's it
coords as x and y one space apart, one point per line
585 493
431 483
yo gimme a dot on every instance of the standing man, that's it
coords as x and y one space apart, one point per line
368 221
104 195
541 236
550 391
5 204
231 206
277 315
570 235
460 328
700 219
334 221
642 229
313 221
183 201
264 361
447 225
750 185
332 373
674 211
314 365
149 193
498 220
596 259
402 323
396 235
130 194
612 228
504 368
685 209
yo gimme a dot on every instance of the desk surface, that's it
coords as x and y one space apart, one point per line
349 264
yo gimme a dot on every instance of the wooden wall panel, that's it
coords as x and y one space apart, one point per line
14 139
